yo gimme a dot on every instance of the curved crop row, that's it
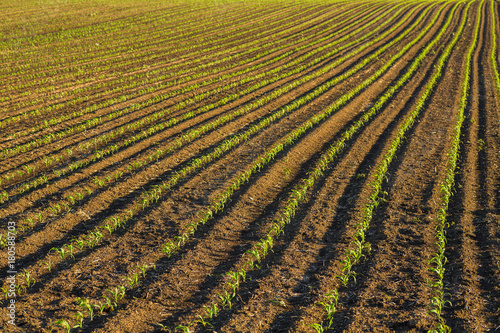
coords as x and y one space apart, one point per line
493 54
91 123
155 76
438 261
353 256
154 194
260 250
220 121
50 160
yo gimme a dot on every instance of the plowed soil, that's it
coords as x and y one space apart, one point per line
104 104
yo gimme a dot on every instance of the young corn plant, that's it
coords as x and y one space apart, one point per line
226 298
202 321
118 293
182 328
212 311
133 280
330 306
107 305
317 327
61 251
79 319
143 269
48 264
28 280
493 53
85 304
62 324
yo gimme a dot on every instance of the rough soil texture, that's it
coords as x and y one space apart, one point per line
205 66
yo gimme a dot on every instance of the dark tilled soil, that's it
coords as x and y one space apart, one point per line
391 292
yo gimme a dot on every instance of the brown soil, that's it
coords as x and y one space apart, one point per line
391 292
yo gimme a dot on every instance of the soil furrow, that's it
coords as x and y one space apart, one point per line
114 122
231 220
322 238
473 269
153 148
393 294
150 140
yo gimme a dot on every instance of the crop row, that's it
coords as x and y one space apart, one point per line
261 249
138 59
179 32
49 161
117 221
493 53
156 76
439 259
